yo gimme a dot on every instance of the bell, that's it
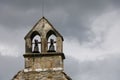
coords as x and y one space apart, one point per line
51 47
36 48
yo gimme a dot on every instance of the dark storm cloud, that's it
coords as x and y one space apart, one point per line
72 66
16 14
106 69
9 66
70 17
12 37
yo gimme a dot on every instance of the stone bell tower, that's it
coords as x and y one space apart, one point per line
43 54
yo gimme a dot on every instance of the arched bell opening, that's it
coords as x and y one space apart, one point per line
36 46
52 43
36 42
57 41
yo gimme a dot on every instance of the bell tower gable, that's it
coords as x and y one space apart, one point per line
44 57
44 29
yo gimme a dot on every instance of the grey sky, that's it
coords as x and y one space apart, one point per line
90 28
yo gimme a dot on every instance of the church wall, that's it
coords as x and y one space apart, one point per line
44 63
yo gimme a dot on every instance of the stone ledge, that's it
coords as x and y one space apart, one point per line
46 69
43 55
